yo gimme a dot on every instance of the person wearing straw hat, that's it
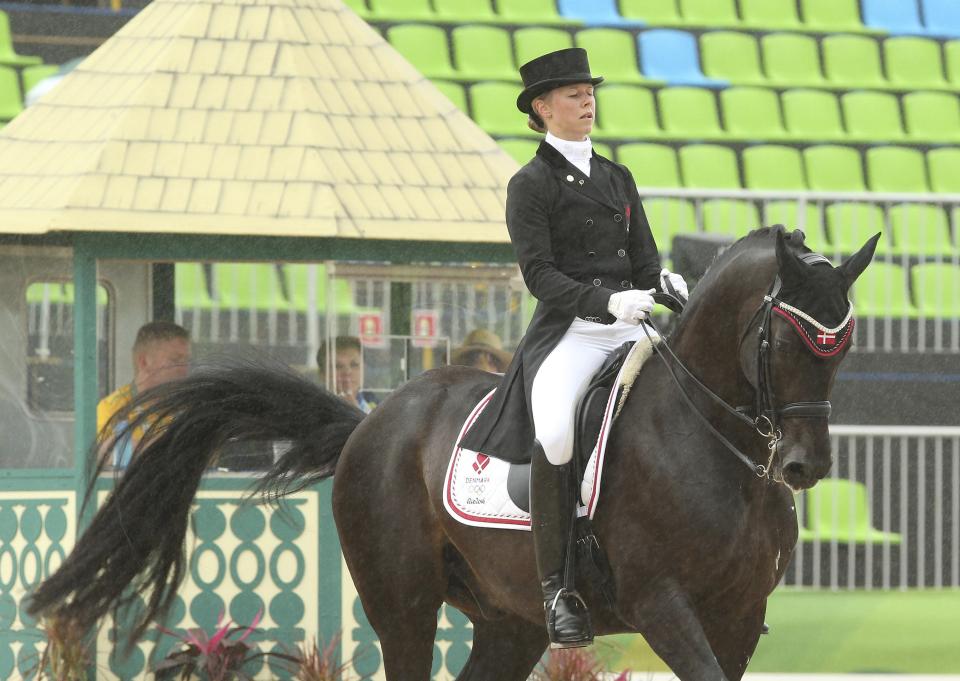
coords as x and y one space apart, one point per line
482 349
587 254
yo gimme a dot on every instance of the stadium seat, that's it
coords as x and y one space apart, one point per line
454 92
425 47
850 224
932 116
652 165
834 168
716 13
603 149
464 11
8 55
671 56
190 287
298 285
812 115
11 103
920 229
872 116
593 12
483 53
770 14
852 61
942 17
537 12
944 167
892 16
689 113
654 12
494 108
613 54
359 7
882 290
936 289
752 114
521 150
532 41
773 167
896 169
401 10
734 217
831 16
808 219
838 510
914 63
626 111
709 166
669 217
791 60
31 75
248 286
731 56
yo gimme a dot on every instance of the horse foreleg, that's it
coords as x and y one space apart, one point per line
733 636
504 649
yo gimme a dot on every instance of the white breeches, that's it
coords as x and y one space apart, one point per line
565 375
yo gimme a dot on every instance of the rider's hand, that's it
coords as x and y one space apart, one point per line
676 281
631 306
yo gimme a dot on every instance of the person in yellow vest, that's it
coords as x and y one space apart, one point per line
161 353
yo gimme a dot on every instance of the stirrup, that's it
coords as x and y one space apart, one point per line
583 630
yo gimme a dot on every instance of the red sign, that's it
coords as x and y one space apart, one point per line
425 324
371 329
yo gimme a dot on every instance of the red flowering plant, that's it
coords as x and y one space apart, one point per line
573 664
217 657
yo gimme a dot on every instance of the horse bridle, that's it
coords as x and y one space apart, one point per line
764 416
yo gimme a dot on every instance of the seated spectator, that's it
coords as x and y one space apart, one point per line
348 364
482 349
161 353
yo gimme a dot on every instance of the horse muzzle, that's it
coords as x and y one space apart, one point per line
805 458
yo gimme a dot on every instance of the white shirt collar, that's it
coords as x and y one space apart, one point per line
572 151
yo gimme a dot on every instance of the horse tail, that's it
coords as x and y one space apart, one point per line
141 528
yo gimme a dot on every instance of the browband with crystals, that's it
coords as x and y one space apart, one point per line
821 340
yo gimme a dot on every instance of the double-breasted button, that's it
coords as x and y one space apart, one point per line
589 222
596 282
625 283
618 217
592 254
622 253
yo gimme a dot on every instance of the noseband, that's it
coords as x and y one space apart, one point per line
764 416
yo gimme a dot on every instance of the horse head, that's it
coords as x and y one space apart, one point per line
791 351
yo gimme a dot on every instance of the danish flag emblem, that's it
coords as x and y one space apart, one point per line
481 463
824 338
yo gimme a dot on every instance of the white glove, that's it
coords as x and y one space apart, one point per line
631 306
679 285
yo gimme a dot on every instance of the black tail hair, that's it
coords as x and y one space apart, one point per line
141 528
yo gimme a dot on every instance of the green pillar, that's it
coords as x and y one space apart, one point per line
401 302
84 368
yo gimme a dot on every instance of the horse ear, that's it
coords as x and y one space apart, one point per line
854 266
789 266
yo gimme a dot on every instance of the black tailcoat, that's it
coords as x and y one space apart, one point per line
578 240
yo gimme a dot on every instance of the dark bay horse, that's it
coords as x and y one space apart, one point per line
696 540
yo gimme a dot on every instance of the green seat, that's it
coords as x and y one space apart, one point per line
299 277
248 286
834 168
689 113
359 7
11 103
653 12
920 229
652 165
8 55
872 116
951 57
932 116
851 224
401 10
709 12
613 54
531 12
463 11
731 56
852 61
944 167
770 14
521 150
603 149
103 298
831 16
936 288
40 291
773 167
731 217
425 47
483 53
669 217
455 92
626 111
533 41
882 291
494 108
709 166
896 169
808 219
31 75
838 510
752 113
914 63
791 60
812 115
190 286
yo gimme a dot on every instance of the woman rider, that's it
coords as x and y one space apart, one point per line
587 254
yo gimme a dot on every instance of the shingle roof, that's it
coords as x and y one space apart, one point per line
278 117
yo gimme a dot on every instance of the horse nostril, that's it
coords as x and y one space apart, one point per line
797 474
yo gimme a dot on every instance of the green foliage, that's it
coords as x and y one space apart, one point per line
218 657
66 657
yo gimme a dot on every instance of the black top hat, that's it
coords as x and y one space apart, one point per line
552 70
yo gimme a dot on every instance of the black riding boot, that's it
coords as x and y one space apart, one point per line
551 513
